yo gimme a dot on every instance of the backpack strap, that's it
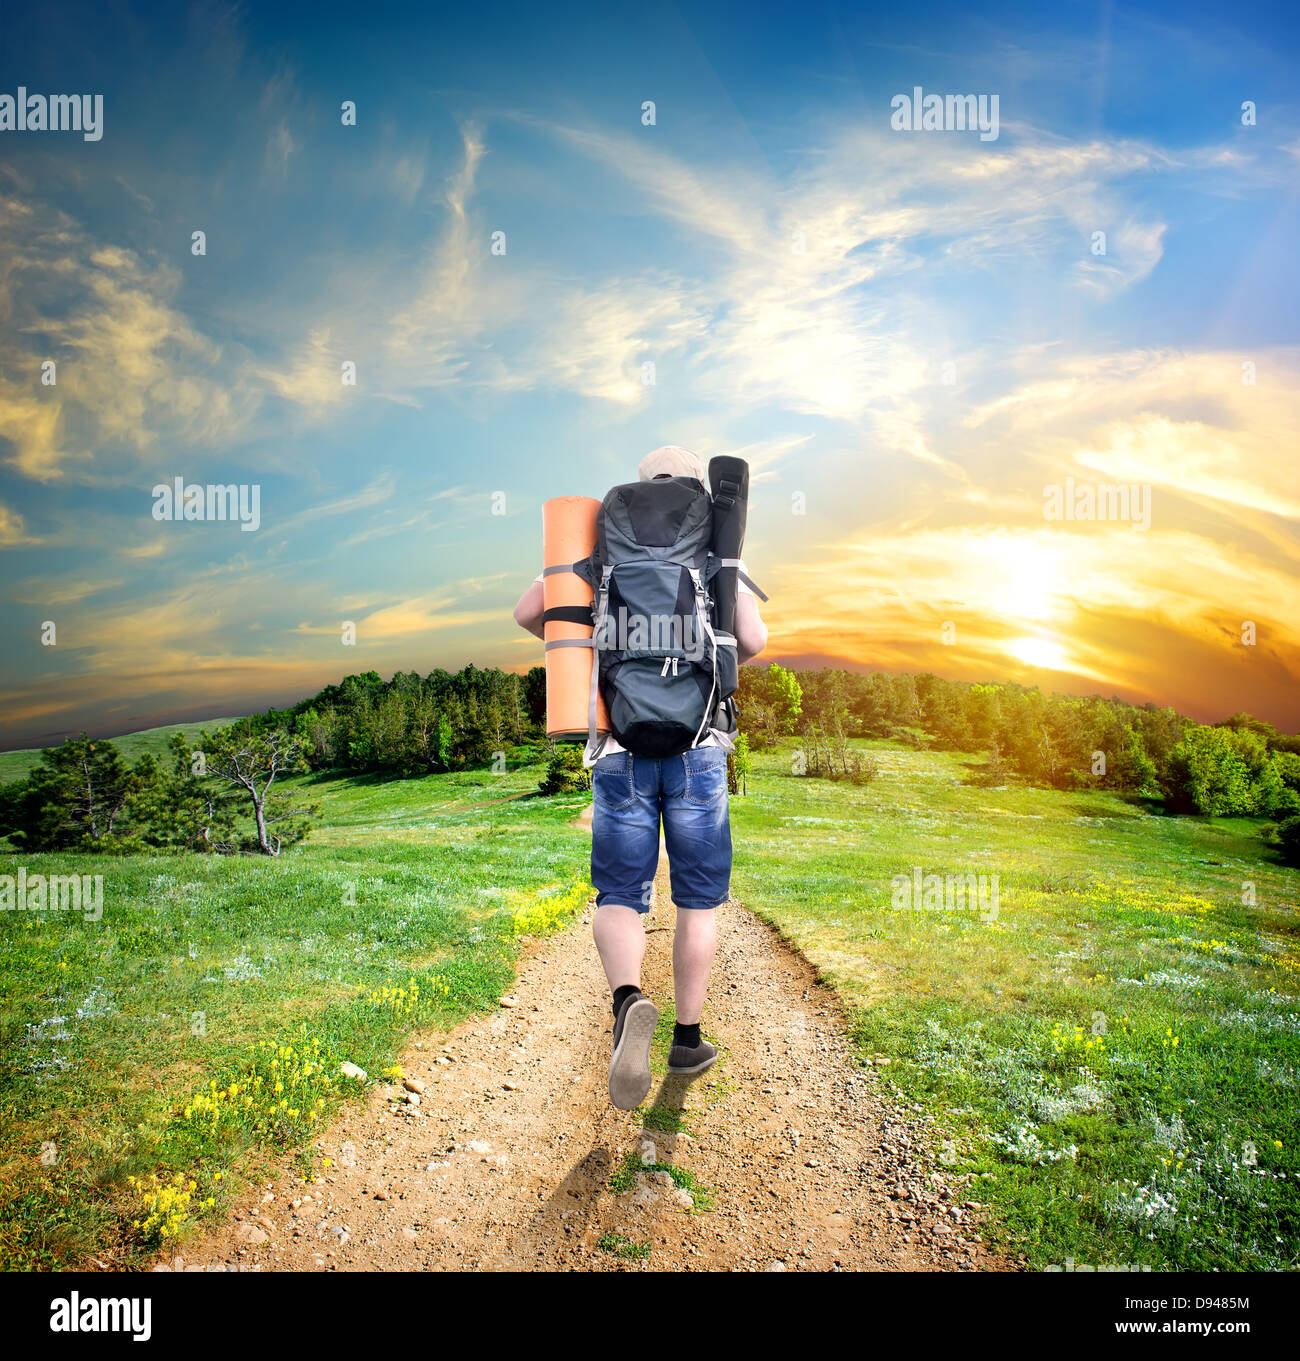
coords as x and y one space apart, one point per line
600 607
591 615
568 614
582 568
716 564
702 615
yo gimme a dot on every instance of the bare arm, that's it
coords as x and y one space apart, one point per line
751 631
529 610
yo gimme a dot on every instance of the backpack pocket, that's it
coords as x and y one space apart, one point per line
651 612
656 704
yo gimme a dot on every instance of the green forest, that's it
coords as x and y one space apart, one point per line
227 793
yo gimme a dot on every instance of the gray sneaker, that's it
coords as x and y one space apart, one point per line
629 1064
682 1059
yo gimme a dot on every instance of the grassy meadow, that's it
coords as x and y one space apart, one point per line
1115 1053
202 1021
17 765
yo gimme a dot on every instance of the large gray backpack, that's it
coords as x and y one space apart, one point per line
666 672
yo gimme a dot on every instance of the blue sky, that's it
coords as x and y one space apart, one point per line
626 244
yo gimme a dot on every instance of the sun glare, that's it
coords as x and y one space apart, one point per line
1040 652
1022 580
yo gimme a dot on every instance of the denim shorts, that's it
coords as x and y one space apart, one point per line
631 794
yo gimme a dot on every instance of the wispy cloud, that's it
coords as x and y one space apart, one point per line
916 332
13 532
131 372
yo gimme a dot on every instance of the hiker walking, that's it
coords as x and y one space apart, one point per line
666 556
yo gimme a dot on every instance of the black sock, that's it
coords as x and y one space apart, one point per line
687 1035
622 994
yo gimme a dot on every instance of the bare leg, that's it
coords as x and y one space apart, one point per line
620 939
694 943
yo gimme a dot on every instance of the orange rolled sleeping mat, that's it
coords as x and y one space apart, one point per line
568 535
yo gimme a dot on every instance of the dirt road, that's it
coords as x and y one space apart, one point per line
783 1157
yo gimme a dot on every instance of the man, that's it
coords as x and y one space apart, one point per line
631 796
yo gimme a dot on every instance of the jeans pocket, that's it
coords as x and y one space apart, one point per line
611 782
706 777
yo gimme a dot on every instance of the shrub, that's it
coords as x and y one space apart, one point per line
1209 771
1285 839
565 772
740 761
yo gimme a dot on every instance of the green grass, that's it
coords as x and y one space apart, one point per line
17 765
621 1246
400 912
664 1119
685 1180
1116 1055
624 1179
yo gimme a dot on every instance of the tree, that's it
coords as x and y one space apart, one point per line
996 770
1243 722
514 704
785 695
905 703
76 797
182 808
1287 766
1285 838
430 735
982 713
565 772
410 724
253 763
535 694
1207 772
317 729
1133 768
943 711
739 763
873 705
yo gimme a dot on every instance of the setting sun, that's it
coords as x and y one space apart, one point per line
1040 652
